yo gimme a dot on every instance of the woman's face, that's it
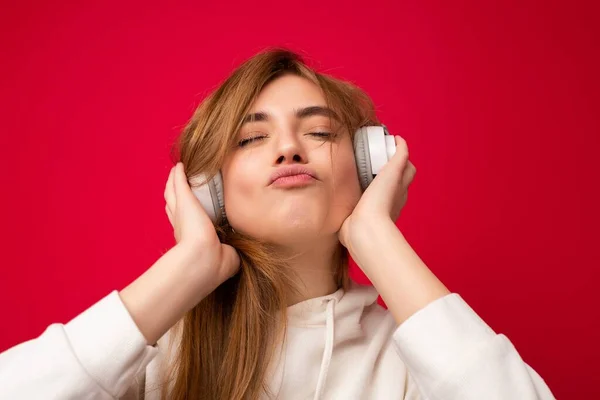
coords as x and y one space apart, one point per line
291 128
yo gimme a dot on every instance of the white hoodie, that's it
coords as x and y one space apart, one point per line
340 346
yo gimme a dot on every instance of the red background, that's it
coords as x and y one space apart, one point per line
498 103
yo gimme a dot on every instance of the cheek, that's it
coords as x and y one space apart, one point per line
240 190
346 186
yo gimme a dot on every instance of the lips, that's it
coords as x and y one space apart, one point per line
299 173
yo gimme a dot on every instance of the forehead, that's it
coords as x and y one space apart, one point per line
288 92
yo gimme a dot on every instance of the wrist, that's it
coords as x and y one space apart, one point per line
187 272
403 280
365 236
159 297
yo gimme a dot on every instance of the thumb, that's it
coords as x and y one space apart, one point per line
409 174
230 262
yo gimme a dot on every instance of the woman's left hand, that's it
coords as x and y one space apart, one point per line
384 198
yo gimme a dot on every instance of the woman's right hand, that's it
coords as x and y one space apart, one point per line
194 230
188 272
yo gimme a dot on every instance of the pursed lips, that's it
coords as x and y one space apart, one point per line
291 174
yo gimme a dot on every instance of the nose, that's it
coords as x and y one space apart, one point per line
290 151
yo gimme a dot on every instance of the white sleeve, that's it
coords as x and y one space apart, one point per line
95 356
451 353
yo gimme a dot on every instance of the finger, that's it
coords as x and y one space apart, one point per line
170 191
185 196
231 262
182 187
401 155
409 174
169 214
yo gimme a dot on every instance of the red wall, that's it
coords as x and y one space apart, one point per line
498 102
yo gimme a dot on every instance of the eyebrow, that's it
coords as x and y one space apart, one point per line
300 113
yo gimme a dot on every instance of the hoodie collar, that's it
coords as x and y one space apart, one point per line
349 306
340 313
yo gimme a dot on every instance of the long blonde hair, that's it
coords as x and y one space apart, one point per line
226 342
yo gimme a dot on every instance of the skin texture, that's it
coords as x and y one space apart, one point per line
298 217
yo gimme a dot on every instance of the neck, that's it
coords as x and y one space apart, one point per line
315 265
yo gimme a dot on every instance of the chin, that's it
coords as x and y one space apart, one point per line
294 232
298 228
291 225
299 232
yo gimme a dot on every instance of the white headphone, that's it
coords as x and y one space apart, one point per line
373 147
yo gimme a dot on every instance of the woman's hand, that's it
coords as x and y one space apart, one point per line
403 280
382 201
185 274
195 232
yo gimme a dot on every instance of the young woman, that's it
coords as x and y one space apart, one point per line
259 305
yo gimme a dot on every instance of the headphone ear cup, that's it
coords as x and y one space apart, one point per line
210 194
373 148
363 158
217 197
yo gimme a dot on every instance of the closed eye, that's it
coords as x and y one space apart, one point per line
249 140
323 135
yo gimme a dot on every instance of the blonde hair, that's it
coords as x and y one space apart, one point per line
227 341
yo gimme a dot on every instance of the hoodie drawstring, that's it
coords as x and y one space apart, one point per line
329 336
